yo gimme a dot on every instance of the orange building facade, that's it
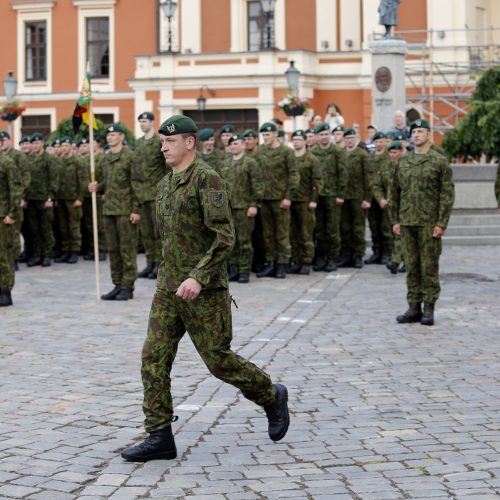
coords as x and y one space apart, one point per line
226 51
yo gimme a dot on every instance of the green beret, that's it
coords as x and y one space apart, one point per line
281 133
147 115
228 129
395 145
399 136
24 138
235 137
420 124
310 131
65 139
57 141
268 127
251 133
37 136
205 134
83 140
178 124
4 135
97 137
115 127
48 145
322 127
299 133
379 135
339 128
349 131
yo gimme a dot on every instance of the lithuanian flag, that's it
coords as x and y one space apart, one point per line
81 112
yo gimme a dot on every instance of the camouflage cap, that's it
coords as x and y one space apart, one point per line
24 138
249 132
235 137
178 124
299 133
268 127
379 135
228 129
349 131
147 115
4 135
206 134
395 145
322 127
420 124
37 136
115 127
339 128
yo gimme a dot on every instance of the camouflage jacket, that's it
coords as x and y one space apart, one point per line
73 181
334 167
44 181
279 171
23 167
380 167
120 182
497 186
10 188
382 184
196 228
423 191
215 159
244 182
358 175
97 170
311 178
152 165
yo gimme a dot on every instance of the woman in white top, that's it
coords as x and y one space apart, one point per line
334 116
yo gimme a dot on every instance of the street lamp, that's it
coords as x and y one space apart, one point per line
169 7
292 75
9 86
201 101
268 9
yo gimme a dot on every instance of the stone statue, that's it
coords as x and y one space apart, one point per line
388 10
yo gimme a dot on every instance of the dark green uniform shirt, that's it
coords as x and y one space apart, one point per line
379 167
10 188
44 177
196 228
215 159
23 166
311 178
334 167
358 175
152 165
73 181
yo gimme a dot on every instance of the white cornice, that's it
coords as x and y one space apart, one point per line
33 6
94 4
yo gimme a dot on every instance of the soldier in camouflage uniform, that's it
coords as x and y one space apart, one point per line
380 224
119 180
338 136
72 186
197 235
23 168
226 132
44 183
10 206
357 196
311 139
304 205
153 169
211 156
244 182
251 138
422 200
281 177
333 162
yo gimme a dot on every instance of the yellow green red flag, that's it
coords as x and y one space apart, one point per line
81 113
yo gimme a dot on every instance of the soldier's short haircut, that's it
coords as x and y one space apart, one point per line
190 134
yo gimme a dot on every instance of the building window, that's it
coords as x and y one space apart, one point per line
98 46
106 118
32 124
256 26
36 51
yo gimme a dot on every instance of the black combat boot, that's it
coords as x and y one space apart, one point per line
319 263
357 262
111 295
145 272
159 445
330 266
280 271
46 262
5 298
73 258
124 294
154 273
305 269
233 273
384 258
268 271
393 267
88 256
344 260
62 258
277 414
412 315
243 278
294 267
374 258
428 314
34 261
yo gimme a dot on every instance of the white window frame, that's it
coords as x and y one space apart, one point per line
30 12
36 112
107 110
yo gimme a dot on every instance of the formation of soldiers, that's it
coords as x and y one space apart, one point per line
295 208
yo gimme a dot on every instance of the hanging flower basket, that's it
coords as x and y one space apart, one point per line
293 105
11 111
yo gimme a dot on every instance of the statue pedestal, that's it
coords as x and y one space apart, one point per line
388 84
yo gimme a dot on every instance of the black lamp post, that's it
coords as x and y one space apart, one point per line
169 7
292 75
201 101
268 9
10 90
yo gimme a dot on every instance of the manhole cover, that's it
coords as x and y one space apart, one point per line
465 277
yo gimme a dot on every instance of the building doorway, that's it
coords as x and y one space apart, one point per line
216 118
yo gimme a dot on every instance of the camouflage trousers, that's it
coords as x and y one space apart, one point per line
397 250
380 228
301 232
40 221
69 219
7 232
207 320
87 218
327 231
276 231
16 245
422 253
241 256
353 226
121 239
150 235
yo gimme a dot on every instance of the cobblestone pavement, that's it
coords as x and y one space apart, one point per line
379 410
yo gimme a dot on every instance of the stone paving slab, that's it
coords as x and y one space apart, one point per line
379 410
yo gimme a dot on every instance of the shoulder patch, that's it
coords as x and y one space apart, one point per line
217 198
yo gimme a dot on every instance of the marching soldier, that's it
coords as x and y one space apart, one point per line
333 163
153 168
120 183
422 200
304 203
281 177
211 156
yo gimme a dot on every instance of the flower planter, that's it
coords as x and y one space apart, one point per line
295 111
9 117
